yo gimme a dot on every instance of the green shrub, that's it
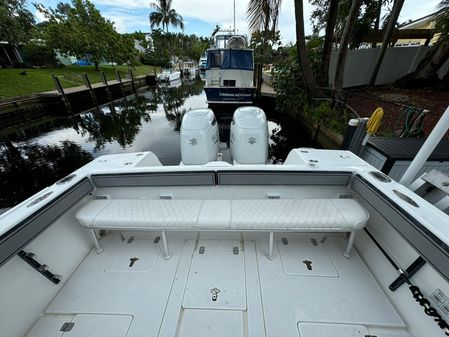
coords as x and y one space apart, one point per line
38 54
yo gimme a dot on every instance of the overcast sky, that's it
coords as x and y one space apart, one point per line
201 16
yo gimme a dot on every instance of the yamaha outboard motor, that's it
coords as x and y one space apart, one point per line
249 136
199 137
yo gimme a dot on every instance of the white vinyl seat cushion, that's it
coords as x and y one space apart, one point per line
341 215
299 215
304 214
140 214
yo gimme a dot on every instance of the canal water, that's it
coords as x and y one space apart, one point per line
36 153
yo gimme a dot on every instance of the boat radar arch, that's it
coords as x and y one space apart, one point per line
249 136
199 137
236 42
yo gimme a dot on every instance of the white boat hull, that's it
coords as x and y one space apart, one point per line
134 280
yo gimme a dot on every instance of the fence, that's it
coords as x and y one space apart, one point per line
398 61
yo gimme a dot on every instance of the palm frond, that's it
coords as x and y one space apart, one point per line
442 17
275 10
444 4
168 4
262 13
156 19
256 15
154 6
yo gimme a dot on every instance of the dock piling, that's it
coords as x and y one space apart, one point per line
89 86
105 82
131 76
60 89
119 79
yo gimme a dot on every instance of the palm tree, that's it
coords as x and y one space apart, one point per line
397 6
216 30
262 13
304 63
164 15
331 20
343 50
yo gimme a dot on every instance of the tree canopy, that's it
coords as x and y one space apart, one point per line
79 29
167 45
16 21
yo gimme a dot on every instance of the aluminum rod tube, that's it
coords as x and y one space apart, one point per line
426 150
97 244
270 246
165 245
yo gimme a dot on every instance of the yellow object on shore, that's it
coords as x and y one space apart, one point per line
373 123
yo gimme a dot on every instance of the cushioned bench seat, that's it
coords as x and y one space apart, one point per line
299 215
140 214
324 215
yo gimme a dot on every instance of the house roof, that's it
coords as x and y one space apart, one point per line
425 19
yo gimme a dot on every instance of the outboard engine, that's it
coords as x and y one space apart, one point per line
249 136
199 137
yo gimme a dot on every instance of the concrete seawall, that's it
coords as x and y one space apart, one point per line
20 109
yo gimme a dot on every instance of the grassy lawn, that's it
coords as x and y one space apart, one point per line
38 80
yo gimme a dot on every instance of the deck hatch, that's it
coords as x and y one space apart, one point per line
216 278
207 323
81 325
303 258
139 255
332 330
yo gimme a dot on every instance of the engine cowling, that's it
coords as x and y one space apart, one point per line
199 137
249 136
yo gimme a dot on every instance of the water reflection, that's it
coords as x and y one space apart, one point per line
118 121
173 97
278 144
36 154
27 168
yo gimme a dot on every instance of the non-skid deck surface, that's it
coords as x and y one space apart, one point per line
220 285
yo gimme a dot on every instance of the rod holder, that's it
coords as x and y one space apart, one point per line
409 272
42 269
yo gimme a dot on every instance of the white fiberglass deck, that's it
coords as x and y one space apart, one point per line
308 289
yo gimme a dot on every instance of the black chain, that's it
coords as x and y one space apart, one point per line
428 309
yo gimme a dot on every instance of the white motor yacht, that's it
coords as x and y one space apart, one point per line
169 75
230 71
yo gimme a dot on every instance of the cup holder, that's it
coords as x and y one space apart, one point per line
66 179
380 176
39 199
406 198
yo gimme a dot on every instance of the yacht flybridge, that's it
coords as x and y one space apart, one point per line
323 245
